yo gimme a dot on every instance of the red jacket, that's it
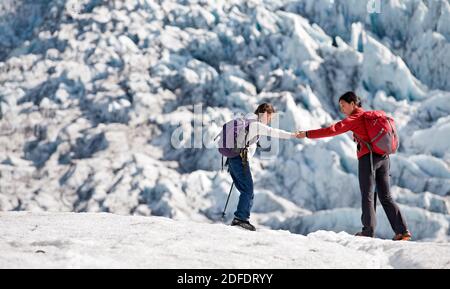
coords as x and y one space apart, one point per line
354 123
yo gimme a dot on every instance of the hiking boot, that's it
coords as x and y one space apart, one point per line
244 224
403 237
363 234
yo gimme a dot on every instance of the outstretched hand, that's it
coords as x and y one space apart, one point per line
300 134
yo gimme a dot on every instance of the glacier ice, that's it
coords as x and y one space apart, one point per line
90 100
100 240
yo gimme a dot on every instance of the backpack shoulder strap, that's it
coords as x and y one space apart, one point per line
247 130
250 121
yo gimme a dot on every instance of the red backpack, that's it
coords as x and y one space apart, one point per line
382 132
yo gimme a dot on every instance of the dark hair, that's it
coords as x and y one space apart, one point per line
350 97
265 107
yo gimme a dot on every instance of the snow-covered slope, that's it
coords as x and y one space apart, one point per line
92 240
92 91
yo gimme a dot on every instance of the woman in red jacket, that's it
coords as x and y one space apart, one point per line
350 105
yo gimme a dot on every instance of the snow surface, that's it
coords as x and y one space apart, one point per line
100 240
93 91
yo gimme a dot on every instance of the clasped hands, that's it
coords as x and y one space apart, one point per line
300 134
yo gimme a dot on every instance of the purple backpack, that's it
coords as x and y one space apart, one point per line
232 140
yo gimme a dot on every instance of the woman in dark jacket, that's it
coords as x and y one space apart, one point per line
350 105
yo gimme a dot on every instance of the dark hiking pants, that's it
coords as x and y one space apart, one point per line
367 185
243 181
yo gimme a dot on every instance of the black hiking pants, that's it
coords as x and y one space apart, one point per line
367 184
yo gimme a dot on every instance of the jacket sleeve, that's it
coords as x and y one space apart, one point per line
258 128
340 127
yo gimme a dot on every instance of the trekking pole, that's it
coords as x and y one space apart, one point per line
375 200
226 204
